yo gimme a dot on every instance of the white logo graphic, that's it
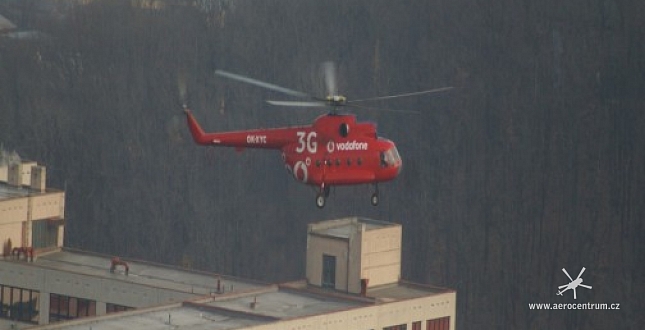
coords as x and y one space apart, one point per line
351 145
573 284
298 168
306 142
330 146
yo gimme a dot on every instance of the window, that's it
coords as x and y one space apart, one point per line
45 233
397 327
416 325
438 324
329 272
19 304
390 157
382 156
63 307
114 308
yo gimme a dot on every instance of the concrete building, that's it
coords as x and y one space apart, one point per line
353 281
31 215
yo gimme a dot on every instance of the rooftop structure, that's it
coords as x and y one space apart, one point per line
353 254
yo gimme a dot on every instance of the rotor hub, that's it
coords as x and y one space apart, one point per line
336 100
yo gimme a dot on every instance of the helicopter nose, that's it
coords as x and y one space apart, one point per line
391 162
393 170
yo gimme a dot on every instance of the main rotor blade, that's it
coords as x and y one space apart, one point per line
329 71
565 272
297 103
436 90
585 286
581 271
384 109
262 84
181 86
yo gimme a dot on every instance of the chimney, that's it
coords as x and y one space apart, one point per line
364 284
14 175
38 178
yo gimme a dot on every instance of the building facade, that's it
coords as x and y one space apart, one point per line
32 216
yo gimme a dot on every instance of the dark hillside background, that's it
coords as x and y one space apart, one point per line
534 163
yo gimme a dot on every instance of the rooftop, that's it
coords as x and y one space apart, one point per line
186 316
404 290
240 310
8 191
150 274
285 303
343 228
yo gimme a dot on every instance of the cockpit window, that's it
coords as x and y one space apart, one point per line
390 157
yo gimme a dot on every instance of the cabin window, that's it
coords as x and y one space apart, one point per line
343 130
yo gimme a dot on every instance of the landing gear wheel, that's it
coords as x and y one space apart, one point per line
320 201
374 199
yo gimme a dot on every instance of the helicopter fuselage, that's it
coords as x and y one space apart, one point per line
335 150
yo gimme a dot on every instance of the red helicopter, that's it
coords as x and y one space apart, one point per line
335 150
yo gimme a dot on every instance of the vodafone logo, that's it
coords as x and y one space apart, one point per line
346 146
300 171
351 145
330 146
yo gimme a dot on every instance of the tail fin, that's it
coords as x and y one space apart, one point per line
195 129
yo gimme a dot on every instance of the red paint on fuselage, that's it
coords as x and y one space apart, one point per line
335 150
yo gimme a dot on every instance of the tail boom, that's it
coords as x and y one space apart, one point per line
275 138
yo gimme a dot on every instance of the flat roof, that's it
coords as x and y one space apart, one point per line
8 191
343 228
250 303
404 290
287 303
237 311
155 275
186 316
